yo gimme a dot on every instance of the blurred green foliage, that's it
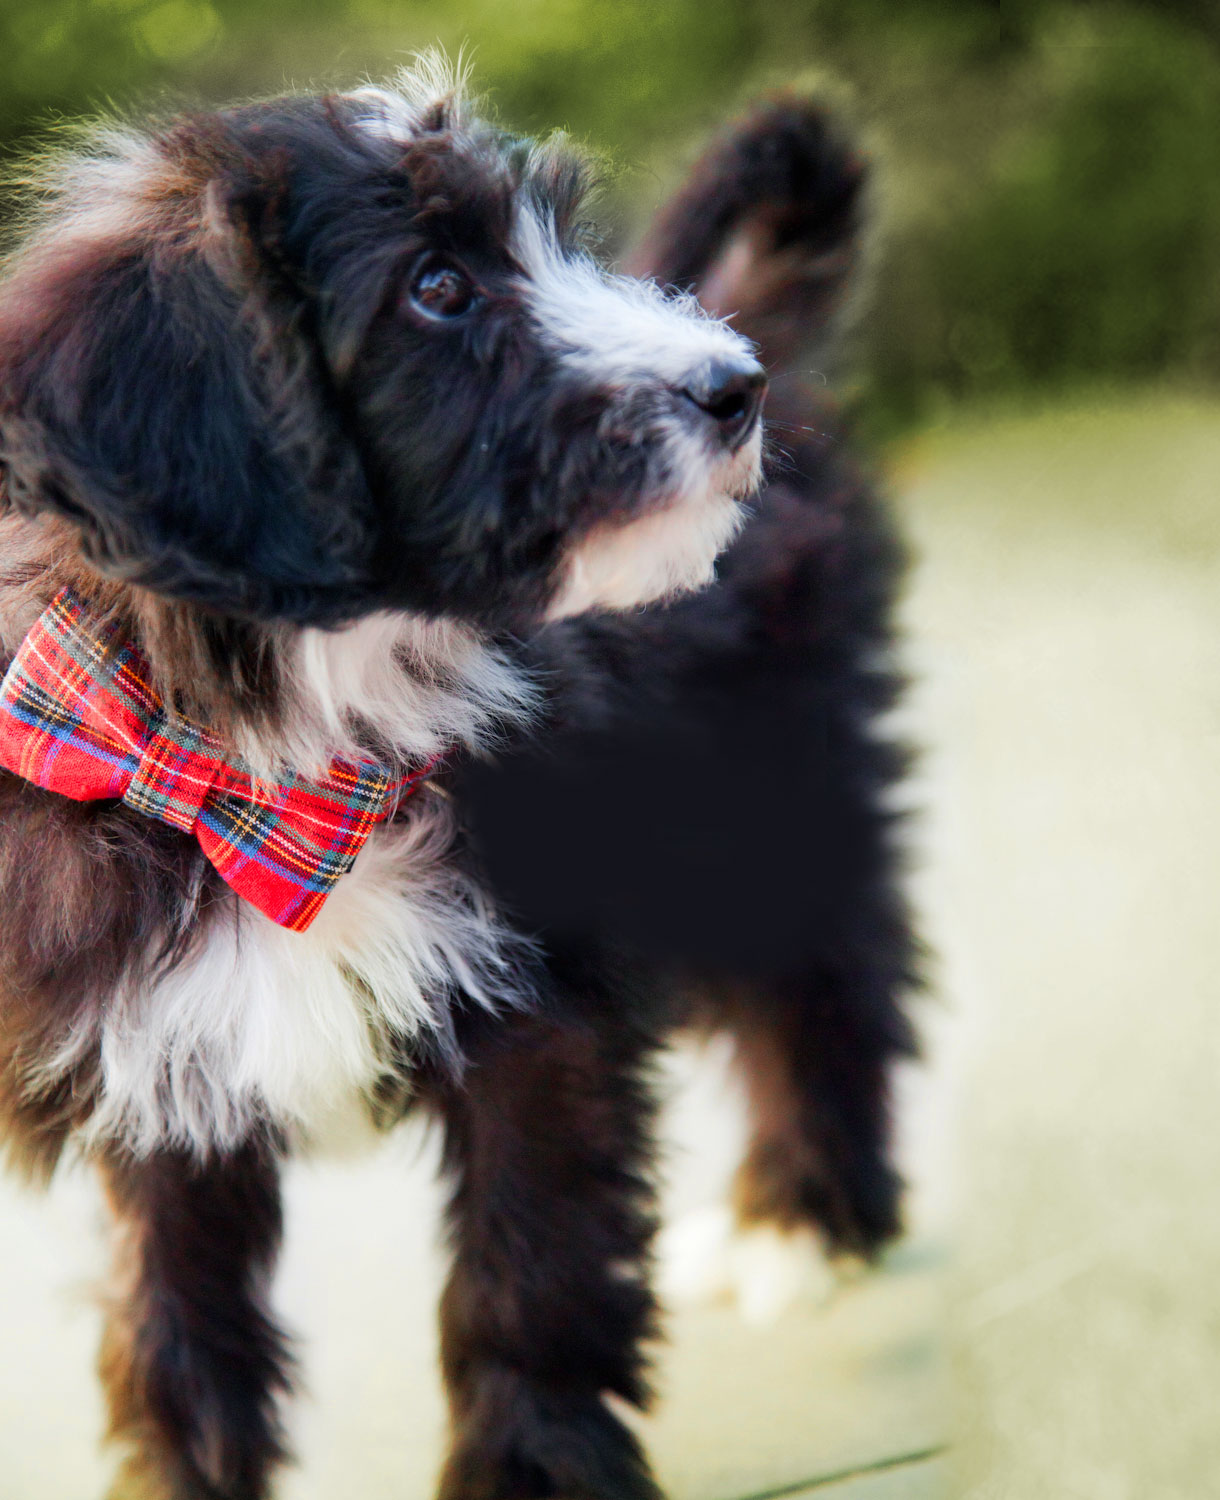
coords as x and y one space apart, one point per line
1049 170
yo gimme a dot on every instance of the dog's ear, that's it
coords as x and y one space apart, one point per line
149 394
767 229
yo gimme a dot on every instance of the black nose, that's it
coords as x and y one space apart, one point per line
731 393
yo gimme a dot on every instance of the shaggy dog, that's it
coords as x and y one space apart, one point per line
344 767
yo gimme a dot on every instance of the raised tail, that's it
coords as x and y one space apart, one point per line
767 229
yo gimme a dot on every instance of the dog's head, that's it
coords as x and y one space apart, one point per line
307 359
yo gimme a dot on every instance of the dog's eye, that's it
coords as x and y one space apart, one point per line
440 290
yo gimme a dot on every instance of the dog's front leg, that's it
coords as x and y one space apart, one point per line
547 1142
191 1360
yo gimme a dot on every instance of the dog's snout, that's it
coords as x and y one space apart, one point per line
731 393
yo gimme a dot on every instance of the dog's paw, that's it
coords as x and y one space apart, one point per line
515 1440
705 1256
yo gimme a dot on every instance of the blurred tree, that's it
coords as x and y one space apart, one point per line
1050 188
1078 236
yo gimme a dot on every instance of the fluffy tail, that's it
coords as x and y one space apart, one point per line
766 230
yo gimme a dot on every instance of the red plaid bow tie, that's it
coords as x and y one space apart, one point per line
79 716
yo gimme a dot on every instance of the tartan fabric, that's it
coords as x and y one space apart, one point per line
79 716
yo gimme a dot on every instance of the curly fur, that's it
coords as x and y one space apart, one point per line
339 522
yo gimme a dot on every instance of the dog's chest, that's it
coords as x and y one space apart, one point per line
261 1025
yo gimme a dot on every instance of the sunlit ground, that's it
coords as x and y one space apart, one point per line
1067 610
1064 618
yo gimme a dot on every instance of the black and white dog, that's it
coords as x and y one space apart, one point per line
323 407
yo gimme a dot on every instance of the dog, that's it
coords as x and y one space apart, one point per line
377 739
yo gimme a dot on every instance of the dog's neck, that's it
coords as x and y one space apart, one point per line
400 686
394 685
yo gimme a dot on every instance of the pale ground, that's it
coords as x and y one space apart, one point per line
1065 618
1070 603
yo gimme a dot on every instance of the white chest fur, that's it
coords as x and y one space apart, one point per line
262 1025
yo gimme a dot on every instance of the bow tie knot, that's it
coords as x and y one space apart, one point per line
171 780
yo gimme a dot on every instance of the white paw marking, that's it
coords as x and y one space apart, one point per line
692 1260
704 1256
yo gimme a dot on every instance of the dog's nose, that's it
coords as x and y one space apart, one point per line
731 393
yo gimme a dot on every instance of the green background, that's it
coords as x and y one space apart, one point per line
1048 171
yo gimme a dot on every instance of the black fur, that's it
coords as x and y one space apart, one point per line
709 801
548 1150
712 796
235 405
192 1361
230 404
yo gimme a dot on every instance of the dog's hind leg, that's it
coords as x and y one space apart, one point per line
817 1177
191 1360
546 1145
818 1036
817 1053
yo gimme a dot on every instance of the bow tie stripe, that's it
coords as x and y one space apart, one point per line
79 716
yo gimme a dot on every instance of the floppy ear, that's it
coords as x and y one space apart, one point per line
766 230
151 393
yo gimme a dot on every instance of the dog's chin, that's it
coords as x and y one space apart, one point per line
670 550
